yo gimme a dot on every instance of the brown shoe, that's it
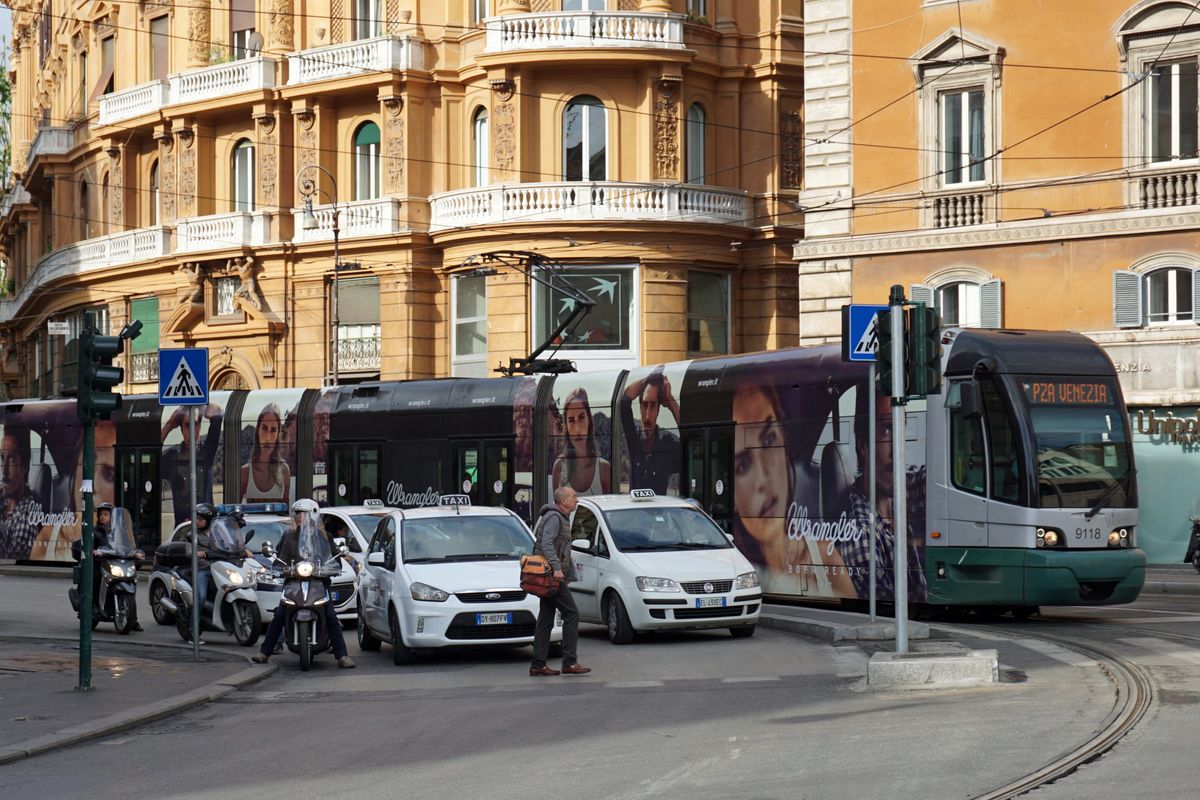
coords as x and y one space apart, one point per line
539 672
576 669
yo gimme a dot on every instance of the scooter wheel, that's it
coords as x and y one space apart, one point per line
247 622
304 634
161 615
123 613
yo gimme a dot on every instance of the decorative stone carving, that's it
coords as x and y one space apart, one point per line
266 358
193 292
393 124
116 205
666 131
791 149
199 34
391 15
268 152
505 138
512 7
306 128
247 293
281 17
166 178
543 5
221 359
187 173
337 14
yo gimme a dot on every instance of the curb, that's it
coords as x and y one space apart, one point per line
1172 587
839 632
134 717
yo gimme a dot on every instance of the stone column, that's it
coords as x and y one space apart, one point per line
393 133
185 147
281 16
513 7
307 138
199 33
166 176
666 129
116 187
267 168
656 5
663 311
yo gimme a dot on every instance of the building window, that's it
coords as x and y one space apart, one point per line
585 133
707 313
243 176
106 81
160 48
479 155
144 349
1169 296
961 145
224 290
970 300
697 8
1172 112
366 162
368 19
470 327
154 194
584 5
479 11
83 84
85 212
359 333
1156 296
607 327
695 144
241 29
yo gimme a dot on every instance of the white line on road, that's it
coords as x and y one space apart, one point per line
764 679
1164 653
1057 653
632 684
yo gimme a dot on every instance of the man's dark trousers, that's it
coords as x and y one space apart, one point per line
562 601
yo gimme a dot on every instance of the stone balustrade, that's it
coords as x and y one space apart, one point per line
145 98
223 80
222 231
584 29
376 217
380 54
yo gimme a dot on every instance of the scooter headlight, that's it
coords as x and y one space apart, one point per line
304 569
115 570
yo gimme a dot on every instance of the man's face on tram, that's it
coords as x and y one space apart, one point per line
883 445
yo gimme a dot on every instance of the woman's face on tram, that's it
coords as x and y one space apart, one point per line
579 426
760 464
268 432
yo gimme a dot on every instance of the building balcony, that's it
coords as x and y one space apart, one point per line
377 217
136 101
51 142
359 348
15 196
959 209
223 80
583 202
1167 187
222 231
144 367
381 54
584 30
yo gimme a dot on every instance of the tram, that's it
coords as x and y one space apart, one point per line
1020 482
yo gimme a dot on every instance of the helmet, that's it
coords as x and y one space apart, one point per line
104 507
305 506
237 517
206 511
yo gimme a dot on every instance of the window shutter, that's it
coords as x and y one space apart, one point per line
920 293
1196 295
358 301
145 310
1127 299
991 304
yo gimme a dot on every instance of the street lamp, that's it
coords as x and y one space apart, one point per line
308 188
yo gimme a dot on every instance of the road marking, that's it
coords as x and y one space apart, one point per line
1057 653
764 679
632 684
1164 653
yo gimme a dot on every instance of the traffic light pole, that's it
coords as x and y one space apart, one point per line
872 477
899 490
86 546
195 555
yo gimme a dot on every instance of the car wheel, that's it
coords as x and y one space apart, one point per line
742 631
367 641
157 592
400 653
620 630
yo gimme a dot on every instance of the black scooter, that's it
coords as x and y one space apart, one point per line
305 596
1193 551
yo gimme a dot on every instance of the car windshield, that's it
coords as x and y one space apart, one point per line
660 528
465 538
271 532
366 523
1082 440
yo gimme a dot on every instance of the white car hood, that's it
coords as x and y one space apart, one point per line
691 565
468 576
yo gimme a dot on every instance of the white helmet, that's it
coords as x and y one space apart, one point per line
305 506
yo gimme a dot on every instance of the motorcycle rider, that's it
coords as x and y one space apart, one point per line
305 513
100 536
205 513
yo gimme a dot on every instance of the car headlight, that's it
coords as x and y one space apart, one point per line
1119 538
747 580
657 585
304 569
430 594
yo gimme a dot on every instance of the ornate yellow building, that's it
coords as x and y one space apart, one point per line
203 168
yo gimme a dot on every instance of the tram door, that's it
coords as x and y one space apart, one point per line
355 473
483 470
708 471
138 489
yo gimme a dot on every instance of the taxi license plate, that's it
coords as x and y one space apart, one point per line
335 597
710 602
493 619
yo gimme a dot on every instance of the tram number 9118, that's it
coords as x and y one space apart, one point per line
1088 533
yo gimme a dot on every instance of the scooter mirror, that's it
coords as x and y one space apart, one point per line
249 536
267 550
343 550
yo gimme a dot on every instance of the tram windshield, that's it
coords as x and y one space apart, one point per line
1082 440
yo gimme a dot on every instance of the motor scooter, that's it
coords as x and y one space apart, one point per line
115 595
306 593
1193 551
232 602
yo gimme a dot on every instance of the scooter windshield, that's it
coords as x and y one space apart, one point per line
120 534
225 536
312 543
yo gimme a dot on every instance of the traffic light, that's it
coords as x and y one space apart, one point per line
95 397
884 368
924 351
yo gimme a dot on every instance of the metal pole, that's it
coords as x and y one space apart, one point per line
870 477
899 495
85 563
337 265
195 555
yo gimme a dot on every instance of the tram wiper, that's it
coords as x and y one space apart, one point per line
1107 493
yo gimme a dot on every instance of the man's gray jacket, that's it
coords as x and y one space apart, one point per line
552 533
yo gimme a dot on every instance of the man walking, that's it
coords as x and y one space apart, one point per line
553 540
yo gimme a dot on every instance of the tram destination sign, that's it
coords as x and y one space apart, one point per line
860 337
1068 392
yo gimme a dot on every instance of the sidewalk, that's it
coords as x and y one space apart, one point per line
132 684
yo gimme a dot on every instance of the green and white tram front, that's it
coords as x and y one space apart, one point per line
1032 491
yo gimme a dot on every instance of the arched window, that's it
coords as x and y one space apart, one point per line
964 298
1169 295
585 136
366 161
85 212
154 193
1161 290
479 146
958 304
695 144
243 176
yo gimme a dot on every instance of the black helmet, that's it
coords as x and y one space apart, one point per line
105 507
205 511
238 517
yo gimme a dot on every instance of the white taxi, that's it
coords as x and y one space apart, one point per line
353 525
447 576
647 563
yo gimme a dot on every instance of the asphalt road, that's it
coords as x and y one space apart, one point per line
697 715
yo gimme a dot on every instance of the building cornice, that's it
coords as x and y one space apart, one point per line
1002 233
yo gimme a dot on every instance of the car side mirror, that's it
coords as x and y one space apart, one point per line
582 545
376 559
267 550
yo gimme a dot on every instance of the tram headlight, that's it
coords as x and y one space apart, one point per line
1048 537
1119 538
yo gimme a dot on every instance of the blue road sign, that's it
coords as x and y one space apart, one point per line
859 338
183 377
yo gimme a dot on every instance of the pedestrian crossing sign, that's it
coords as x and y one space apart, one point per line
183 376
860 336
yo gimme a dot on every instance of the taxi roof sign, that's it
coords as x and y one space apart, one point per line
642 494
372 502
454 500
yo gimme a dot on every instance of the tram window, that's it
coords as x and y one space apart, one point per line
966 450
1002 441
